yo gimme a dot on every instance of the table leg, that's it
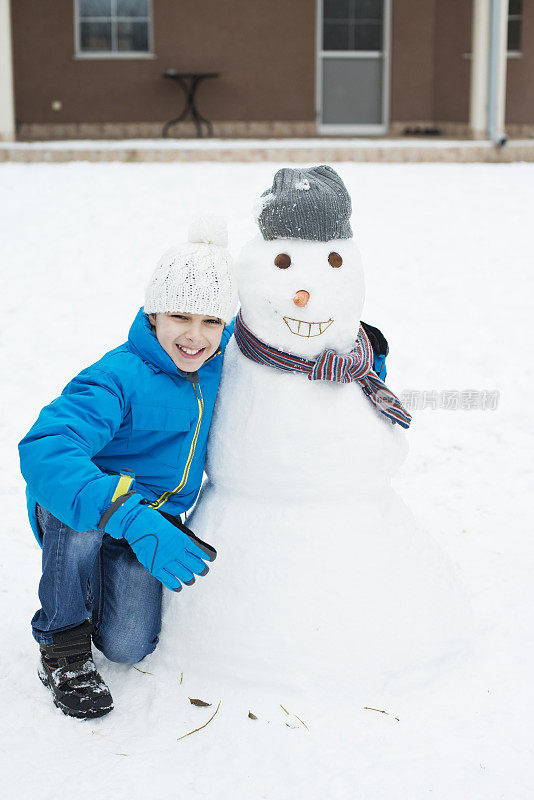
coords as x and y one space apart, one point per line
199 119
187 89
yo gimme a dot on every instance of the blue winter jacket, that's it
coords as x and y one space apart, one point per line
132 421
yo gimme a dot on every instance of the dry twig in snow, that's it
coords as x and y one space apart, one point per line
368 708
202 726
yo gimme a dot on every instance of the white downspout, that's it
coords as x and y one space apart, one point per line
7 104
478 103
497 71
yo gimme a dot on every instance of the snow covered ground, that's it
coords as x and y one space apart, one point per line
447 256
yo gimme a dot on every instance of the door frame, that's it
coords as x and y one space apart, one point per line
385 54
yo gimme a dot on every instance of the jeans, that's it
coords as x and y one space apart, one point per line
92 575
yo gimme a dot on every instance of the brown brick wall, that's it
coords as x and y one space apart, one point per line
412 62
265 50
430 74
452 70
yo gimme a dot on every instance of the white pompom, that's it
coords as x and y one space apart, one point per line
209 229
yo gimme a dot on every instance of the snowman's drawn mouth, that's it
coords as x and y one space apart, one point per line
307 329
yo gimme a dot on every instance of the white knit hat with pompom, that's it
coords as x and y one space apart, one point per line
196 277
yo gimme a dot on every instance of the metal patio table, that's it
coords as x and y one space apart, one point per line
189 82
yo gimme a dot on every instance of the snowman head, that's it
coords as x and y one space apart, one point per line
301 280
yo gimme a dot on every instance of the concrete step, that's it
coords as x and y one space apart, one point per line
272 150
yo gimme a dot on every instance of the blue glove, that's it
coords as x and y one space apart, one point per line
379 367
380 347
169 553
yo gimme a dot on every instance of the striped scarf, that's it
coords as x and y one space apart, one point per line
356 366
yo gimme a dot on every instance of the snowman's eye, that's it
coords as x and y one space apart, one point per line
335 260
282 261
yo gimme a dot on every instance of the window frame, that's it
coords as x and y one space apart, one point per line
515 18
351 23
112 54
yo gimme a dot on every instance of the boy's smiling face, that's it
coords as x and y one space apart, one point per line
189 339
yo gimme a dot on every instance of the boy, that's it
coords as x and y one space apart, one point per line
112 463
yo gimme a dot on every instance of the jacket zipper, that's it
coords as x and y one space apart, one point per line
218 353
165 496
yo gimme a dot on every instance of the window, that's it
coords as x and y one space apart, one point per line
116 27
515 9
352 25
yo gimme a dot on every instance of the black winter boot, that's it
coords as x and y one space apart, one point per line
68 669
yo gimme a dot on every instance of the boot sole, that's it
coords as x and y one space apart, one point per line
69 712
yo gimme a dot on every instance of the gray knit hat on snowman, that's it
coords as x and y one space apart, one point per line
311 204
195 277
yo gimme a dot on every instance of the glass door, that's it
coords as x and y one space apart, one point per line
353 66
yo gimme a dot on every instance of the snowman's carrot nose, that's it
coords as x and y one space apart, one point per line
301 298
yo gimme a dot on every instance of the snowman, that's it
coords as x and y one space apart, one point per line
324 582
